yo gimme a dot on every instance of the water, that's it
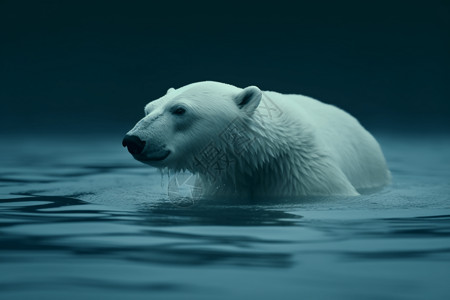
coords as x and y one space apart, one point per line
80 219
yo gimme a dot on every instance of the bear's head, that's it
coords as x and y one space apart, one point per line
180 125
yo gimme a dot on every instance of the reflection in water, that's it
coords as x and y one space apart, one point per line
46 219
77 227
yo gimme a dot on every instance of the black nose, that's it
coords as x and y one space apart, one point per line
134 144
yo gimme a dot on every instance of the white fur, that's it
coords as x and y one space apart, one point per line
292 145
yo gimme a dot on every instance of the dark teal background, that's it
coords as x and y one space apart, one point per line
74 66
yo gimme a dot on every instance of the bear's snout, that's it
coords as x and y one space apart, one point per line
134 144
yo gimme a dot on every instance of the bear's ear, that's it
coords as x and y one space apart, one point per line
170 90
248 100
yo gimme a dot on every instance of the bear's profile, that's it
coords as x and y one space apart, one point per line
252 143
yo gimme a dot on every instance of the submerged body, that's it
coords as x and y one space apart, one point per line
251 143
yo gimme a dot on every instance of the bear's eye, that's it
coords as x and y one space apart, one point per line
179 111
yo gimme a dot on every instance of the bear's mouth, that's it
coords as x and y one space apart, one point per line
161 155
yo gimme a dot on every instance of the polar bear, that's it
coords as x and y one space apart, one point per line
246 142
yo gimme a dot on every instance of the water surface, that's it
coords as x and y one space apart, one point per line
80 219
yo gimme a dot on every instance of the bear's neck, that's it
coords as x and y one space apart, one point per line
246 152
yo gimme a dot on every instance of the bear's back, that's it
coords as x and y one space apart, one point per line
340 136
